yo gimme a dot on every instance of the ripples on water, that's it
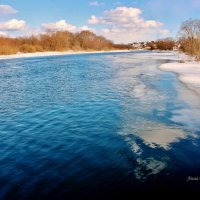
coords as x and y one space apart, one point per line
82 126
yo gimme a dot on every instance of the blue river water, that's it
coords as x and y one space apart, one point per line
96 126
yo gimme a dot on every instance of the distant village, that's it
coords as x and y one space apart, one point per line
164 44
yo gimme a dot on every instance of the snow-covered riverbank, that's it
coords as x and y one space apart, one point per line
42 54
188 73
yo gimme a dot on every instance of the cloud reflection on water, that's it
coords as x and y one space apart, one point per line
148 167
162 137
155 132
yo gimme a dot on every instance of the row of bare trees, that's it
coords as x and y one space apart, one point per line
161 44
57 41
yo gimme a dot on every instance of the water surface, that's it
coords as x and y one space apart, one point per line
96 125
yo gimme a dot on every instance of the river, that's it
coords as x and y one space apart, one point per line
96 126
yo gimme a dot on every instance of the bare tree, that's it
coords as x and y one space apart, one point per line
190 36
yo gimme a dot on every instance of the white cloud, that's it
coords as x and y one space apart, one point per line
61 25
119 15
6 9
3 34
152 23
164 32
125 24
13 25
86 28
94 20
96 3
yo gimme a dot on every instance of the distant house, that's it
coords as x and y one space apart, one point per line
138 45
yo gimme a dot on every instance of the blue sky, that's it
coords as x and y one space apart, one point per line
137 19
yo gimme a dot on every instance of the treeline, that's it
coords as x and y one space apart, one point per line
189 37
162 44
57 41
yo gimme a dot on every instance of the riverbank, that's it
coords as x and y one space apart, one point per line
188 73
52 53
